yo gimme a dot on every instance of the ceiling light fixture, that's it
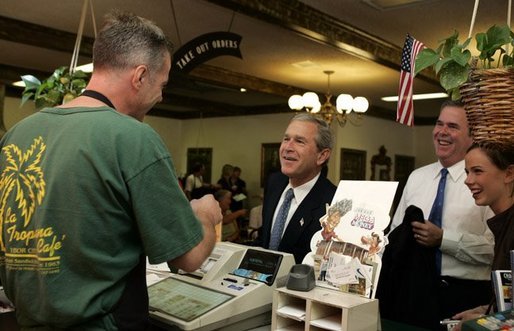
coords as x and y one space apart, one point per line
424 96
342 111
87 68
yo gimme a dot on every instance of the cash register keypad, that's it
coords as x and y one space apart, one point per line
496 322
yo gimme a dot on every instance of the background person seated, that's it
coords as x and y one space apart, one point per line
255 222
230 230
195 187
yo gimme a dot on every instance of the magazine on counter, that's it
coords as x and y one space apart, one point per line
502 282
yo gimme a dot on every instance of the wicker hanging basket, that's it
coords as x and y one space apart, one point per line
488 98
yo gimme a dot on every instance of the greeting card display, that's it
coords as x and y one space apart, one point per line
345 252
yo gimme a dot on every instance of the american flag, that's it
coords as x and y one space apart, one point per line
405 110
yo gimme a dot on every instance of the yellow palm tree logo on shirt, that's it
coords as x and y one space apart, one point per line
23 180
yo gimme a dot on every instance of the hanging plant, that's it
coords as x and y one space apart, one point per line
57 89
453 62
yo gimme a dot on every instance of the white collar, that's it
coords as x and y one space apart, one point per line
300 192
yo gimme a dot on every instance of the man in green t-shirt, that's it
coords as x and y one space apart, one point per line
87 191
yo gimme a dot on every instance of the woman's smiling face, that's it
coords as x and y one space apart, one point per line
488 183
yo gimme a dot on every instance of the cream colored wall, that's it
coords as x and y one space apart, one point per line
424 146
374 132
13 113
238 140
170 131
398 139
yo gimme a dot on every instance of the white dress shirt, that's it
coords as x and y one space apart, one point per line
300 193
468 244
193 182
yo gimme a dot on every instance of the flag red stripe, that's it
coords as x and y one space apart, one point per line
405 108
405 99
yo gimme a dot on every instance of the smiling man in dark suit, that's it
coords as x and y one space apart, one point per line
304 153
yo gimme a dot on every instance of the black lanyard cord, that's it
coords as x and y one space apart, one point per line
98 96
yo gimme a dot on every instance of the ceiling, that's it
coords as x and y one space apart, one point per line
286 45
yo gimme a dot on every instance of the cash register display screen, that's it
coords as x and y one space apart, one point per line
259 265
183 300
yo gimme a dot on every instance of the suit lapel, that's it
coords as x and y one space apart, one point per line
278 183
303 216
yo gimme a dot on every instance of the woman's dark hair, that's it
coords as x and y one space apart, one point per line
501 153
197 167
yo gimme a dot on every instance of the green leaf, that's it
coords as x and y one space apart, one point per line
54 96
43 87
31 82
498 36
454 93
78 84
453 75
25 97
461 57
491 42
80 74
426 58
50 91
481 39
449 43
41 103
59 72
466 43
507 61
442 64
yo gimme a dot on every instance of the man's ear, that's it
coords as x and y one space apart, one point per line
139 76
323 156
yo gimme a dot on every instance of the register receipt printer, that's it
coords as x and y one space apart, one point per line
232 290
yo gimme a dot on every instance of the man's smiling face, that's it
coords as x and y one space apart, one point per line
451 135
300 158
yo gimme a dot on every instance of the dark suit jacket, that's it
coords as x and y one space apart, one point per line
297 237
408 285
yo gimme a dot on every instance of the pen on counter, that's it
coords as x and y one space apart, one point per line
232 280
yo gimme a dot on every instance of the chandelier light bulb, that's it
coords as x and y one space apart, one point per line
316 108
310 99
295 102
360 104
344 102
340 111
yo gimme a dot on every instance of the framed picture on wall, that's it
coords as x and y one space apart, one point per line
353 164
202 155
403 166
270 160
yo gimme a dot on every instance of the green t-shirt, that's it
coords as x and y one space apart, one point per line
85 192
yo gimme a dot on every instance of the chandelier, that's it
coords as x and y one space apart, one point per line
346 109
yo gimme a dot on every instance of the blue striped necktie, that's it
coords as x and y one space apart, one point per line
436 214
280 221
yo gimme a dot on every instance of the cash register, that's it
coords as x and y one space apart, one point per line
232 290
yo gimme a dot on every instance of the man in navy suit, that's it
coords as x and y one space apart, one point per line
304 153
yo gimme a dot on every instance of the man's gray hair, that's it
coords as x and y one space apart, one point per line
324 137
127 40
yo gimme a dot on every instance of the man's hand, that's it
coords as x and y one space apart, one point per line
469 315
207 209
427 234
